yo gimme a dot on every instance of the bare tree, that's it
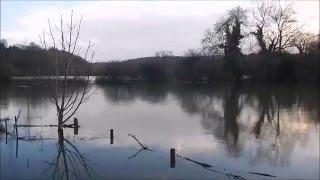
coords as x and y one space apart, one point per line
209 44
192 53
302 40
275 27
262 18
164 53
63 47
285 25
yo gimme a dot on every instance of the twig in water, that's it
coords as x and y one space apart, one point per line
143 147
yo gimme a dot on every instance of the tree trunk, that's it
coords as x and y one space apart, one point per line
60 120
280 42
300 50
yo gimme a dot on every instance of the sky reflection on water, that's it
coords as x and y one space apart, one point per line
269 129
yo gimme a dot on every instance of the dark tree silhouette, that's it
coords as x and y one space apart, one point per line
302 41
286 29
262 18
228 38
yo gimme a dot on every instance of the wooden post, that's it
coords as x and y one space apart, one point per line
15 120
76 126
75 122
111 136
16 129
172 158
17 138
6 126
17 148
75 130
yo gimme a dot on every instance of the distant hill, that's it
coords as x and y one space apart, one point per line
172 68
206 69
32 60
100 68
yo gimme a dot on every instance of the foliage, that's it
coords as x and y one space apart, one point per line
272 27
32 60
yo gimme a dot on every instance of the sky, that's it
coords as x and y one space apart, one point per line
124 30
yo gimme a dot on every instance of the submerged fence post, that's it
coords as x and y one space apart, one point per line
172 158
17 138
111 136
75 122
75 130
76 126
6 126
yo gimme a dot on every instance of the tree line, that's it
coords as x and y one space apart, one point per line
262 44
34 60
278 51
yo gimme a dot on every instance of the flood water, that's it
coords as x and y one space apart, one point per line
224 131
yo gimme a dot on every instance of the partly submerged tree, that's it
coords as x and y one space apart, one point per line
63 46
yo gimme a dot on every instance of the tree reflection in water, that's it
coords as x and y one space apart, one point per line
231 112
69 162
262 118
263 123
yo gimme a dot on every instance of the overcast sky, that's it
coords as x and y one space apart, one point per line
123 30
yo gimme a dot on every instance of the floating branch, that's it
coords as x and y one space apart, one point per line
48 125
199 163
262 174
24 138
209 167
90 138
143 147
33 125
32 138
4 119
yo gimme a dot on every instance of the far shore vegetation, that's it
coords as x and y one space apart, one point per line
279 51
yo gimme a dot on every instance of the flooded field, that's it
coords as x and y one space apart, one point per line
224 131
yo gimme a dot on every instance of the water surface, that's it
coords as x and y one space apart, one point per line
269 129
